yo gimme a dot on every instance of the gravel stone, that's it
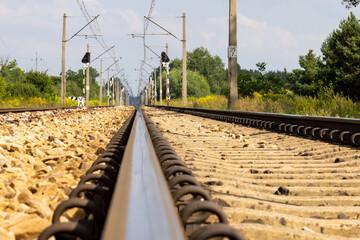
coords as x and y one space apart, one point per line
42 157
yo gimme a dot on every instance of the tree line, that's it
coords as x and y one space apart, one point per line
337 68
16 83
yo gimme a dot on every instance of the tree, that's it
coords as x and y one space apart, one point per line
75 85
12 73
246 83
250 81
24 90
306 81
261 66
176 63
2 88
197 85
211 67
41 81
16 84
350 3
56 80
341 54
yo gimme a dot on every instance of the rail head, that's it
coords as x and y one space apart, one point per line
142 207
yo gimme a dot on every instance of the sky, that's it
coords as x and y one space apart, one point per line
273 31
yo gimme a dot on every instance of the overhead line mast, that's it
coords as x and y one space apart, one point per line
146 25
96 31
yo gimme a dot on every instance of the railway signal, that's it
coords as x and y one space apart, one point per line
86 58
86 61
165 61
164 58
111 81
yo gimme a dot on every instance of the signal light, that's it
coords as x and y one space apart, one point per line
86 58
164 58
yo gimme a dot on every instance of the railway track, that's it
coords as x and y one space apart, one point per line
302 183
299 185
36 109
139 188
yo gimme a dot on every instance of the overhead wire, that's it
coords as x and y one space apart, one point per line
95 28
146 25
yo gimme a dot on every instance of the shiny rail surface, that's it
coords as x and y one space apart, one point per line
341 130
143 208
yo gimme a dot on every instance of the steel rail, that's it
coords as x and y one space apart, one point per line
142 207
34 109
343 130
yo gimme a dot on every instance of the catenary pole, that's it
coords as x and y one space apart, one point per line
146 97
100 100
36 62
160 83
155 92
118 93
184 77
108 89
113 90
167 79
232 57
121 96
63 73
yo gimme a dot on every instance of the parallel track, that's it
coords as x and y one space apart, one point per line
342 130
245 166
36 109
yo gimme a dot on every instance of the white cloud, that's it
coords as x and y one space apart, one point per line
132 19
208 36
259 36
92 2
255 35
94 6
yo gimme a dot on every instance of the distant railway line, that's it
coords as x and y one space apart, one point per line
36 109
341 130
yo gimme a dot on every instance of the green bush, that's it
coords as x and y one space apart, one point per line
26 90
51 97
41 81
2 88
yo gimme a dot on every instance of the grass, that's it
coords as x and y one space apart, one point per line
327 103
